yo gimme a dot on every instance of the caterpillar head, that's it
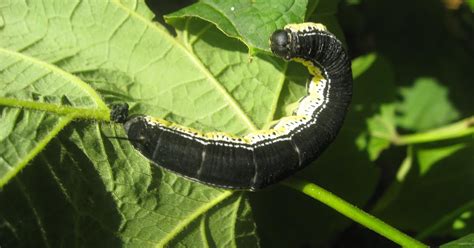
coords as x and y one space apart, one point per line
119 113
280 43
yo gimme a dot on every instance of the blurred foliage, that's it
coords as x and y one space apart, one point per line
429 46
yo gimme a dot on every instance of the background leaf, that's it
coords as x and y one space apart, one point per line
381 131
466 241
250 21
425 105
443 179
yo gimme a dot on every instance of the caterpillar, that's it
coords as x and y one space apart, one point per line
262 157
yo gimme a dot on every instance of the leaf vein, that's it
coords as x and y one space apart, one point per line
39 222
38 148
196 214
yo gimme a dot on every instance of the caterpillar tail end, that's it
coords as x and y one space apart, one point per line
119 112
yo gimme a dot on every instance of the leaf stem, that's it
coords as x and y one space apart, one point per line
455 130
82 113
58 71
352 212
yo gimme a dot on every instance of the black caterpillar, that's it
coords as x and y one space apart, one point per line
263 157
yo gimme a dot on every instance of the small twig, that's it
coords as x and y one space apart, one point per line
455 130
352 212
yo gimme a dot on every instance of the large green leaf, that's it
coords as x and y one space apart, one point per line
103 189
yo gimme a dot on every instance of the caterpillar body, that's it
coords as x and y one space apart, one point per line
263 157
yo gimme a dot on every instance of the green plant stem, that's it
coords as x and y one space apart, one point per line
456 130
352 212
81 113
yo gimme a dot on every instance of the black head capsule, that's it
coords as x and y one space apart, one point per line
280 43
119 113
134 125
